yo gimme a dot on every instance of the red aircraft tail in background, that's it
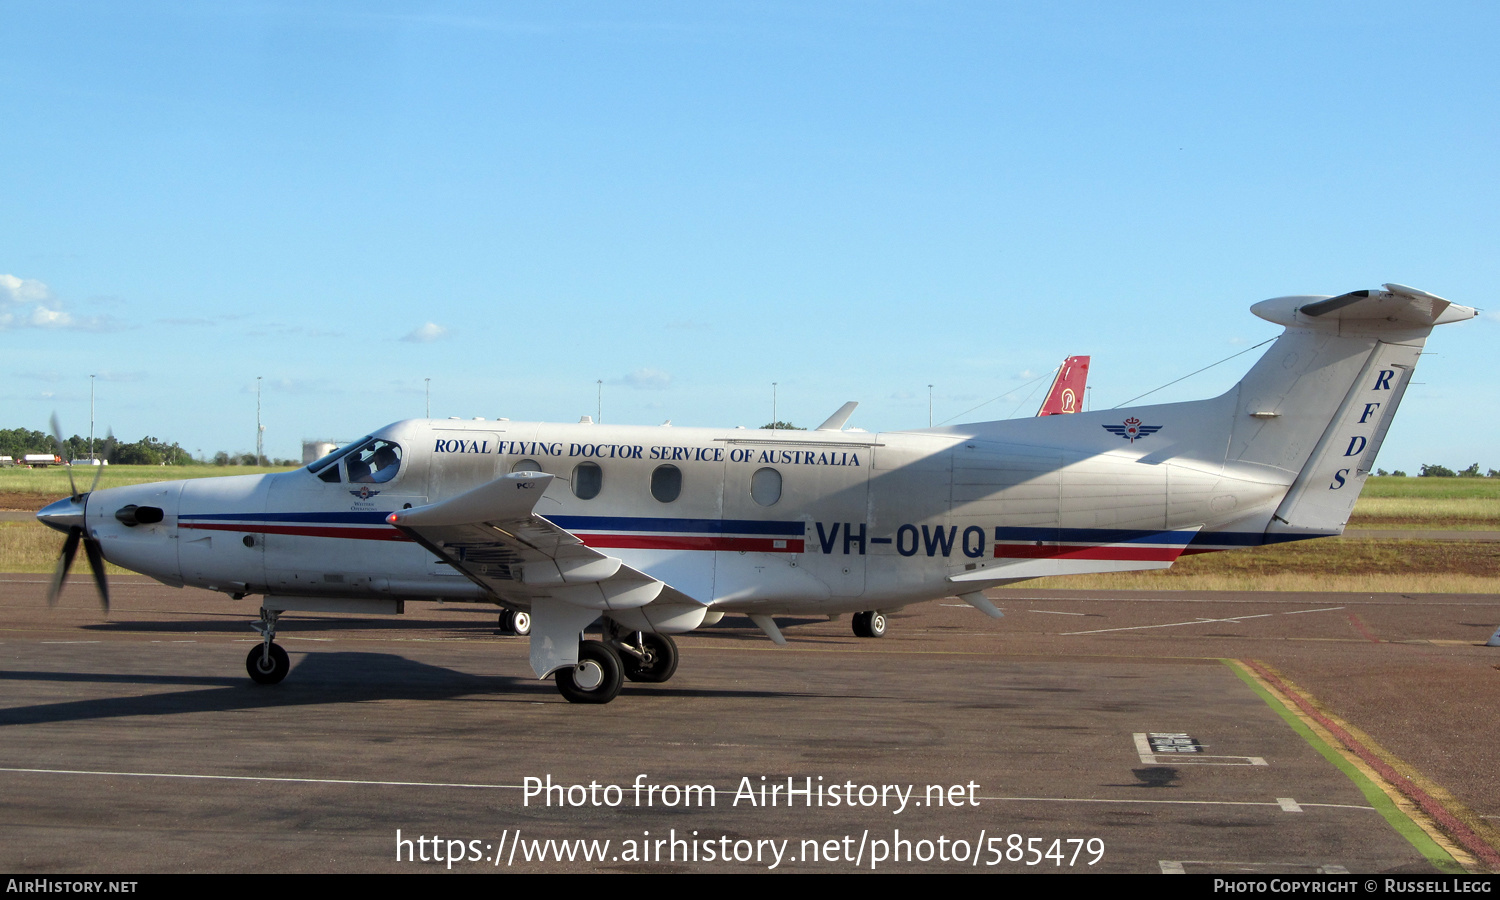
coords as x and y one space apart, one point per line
1066 395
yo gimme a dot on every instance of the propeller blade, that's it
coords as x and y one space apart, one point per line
57 438
64 562
92 550
109 447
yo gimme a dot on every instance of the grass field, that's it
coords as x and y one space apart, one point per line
53 481
1322 565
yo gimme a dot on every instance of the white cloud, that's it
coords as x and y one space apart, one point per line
426 334
15 290
645 379
28 303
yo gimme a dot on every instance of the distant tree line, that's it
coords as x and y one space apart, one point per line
148 451
1430 471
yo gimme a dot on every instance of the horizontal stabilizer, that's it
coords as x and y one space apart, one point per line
1397 308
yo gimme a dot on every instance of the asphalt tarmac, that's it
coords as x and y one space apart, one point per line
1295 733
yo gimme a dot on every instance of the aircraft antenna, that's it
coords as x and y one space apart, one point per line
1001 397
1027 399
1191 374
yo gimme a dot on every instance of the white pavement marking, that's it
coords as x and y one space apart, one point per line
1055 612
1297 612
1149 756
1289 804
1171 867
517 787
1168 625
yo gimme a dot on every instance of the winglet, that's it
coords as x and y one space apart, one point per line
836 421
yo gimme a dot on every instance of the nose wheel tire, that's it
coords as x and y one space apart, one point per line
515 622
597 676
871 624
267 664
660 662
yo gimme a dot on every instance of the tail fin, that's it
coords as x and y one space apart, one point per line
1320 401
1066 393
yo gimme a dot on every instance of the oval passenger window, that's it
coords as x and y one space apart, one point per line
588 480
526 465
666 483
765 486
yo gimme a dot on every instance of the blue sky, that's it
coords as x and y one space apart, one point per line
690 201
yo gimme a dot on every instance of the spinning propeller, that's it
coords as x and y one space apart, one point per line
68 516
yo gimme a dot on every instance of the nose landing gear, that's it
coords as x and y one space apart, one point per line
268 663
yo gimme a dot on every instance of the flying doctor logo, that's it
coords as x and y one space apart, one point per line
1132 429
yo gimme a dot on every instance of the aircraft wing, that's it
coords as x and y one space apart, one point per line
493 536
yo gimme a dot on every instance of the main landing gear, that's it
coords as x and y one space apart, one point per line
603 666
268 663
516 622
869 624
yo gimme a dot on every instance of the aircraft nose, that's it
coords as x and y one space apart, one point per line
64 515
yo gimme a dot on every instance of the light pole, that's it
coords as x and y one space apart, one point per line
91 418
773 406
599 404
429 396
260 429
929 406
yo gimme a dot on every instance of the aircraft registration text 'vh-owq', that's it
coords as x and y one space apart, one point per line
657 531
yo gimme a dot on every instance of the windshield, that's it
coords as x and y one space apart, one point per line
369 460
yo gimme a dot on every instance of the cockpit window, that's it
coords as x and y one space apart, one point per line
319 465
369 460
374 462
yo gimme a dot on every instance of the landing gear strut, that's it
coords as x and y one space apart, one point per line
651 660
869 624
268 663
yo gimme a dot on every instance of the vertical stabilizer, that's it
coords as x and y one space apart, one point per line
1066 393
1319 403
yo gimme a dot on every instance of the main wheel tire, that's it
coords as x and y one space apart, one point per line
877 624
861 623
596 678
264 670
660 662
520 623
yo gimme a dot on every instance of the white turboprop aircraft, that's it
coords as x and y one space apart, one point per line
662 530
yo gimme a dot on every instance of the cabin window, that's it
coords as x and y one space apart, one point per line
765 486
666 483
526 465
588 480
